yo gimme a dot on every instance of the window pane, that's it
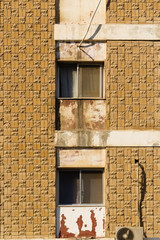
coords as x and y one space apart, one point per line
92 187
68 80
89 81
69 191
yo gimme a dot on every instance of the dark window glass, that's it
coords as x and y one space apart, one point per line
89 190
69 187
68 81
92 187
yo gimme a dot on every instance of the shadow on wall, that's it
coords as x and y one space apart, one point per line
108 4
143 192
57 12
57 115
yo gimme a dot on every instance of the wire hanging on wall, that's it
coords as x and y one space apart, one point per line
80 45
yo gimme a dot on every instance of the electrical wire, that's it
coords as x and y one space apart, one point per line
90 24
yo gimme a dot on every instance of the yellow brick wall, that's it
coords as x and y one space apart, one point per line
132 85
133 11
27 97
121 189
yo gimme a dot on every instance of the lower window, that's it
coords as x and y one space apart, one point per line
80 186
80 80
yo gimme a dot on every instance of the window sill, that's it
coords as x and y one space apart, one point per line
81 98
82 205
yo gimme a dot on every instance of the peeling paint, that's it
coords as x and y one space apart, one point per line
83 222
87 233
64 230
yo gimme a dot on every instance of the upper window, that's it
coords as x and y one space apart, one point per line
80 80
80 187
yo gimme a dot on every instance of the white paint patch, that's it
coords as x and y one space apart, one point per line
72 214
134 138
81 158
102 32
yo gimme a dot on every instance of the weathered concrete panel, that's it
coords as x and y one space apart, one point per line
81 158
82 114
68 114
80 222
71 51
102 32
81 138
81 11
94 114
107 138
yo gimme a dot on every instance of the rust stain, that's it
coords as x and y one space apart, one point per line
64 230
87 233
91 13
104 223
74 110
98 47
67 102
70 53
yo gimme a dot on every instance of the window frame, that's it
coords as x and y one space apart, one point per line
78 64
80 170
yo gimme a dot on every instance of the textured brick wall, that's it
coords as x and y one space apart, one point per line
27 104
132 85
27 90
121 189
132 11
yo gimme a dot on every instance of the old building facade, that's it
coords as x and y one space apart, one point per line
79 118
